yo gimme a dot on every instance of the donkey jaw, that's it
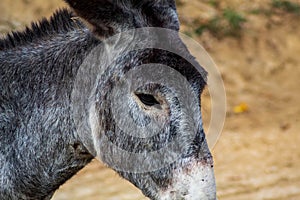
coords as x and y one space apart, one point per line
194 181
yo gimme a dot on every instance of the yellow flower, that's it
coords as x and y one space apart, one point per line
241 108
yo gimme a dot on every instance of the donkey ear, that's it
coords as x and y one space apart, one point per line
104 16
160 13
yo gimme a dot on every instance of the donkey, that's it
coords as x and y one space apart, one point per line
41 146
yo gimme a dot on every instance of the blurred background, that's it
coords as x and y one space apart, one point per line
256 45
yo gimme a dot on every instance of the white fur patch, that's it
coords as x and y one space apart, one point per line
196 182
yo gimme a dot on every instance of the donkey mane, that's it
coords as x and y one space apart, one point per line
60 22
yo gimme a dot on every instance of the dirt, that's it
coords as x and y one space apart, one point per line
258 154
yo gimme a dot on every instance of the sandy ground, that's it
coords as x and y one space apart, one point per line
258 154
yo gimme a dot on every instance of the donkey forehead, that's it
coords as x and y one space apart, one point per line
165 65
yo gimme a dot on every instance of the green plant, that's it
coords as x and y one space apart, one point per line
213 26
255 11
286 6
188 33
260 11
234 19
213 3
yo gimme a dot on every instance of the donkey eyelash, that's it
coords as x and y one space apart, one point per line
147 99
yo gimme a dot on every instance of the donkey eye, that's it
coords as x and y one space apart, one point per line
147 99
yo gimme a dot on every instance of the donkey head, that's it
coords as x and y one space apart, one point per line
145 113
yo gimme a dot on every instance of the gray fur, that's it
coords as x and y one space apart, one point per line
40 147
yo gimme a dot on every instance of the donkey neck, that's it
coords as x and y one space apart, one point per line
39 146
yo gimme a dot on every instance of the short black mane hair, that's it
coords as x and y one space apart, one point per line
61 22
